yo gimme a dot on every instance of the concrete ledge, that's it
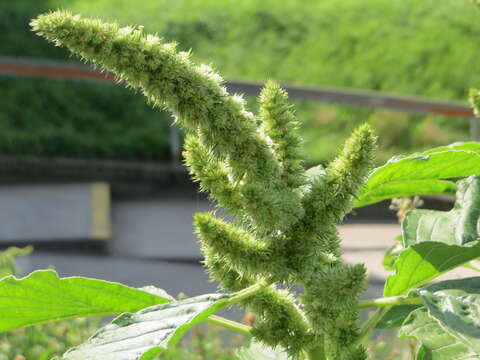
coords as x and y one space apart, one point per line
28 168
59 212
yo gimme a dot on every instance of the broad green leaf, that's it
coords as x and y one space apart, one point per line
421 263
466 146
395 316
437 241
145 334
401 188
43 297
430 225
455 304
257 351
437 343
456 227
157 292
419 174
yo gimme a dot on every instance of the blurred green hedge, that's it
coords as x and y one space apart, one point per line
79 120
415 47
65 118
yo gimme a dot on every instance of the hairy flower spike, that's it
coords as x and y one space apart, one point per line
279 321
280 124
329 196
235 245
195 95
348 172
331 290
255 174
224 272
212 175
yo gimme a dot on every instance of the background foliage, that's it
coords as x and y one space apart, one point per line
422 48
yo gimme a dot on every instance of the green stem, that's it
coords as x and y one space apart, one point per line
245 293
370 324
230 324
233 299
316 353
388 302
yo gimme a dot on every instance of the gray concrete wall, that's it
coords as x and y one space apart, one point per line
60 212
157 227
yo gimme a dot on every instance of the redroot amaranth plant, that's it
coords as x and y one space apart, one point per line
284 229
286 219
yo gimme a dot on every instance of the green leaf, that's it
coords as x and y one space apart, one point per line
421 263
395 316
157 292
437 241
429 225
401 188
257 351
448 323
419 174
455 304
43 297
437 343
455 227
145 334
466 146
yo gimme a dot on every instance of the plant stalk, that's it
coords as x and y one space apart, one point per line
230 324
316 353
370 324
245 293
388 302
233 299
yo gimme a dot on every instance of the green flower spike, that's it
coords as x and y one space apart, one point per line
285 218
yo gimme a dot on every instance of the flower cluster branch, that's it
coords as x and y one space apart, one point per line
284 229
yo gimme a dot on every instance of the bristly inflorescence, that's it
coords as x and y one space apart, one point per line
285 217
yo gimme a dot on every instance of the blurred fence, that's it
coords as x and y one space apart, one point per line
78 72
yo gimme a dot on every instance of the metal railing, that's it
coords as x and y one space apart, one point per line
10 66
